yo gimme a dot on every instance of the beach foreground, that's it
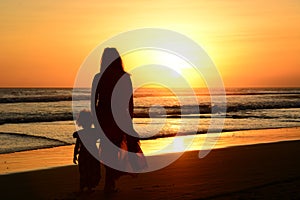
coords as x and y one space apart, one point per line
263 171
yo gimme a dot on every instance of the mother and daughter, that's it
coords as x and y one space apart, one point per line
111 114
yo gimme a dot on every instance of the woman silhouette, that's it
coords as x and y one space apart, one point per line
112 104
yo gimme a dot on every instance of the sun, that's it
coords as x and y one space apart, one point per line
178 66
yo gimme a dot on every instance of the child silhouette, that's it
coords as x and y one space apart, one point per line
86 148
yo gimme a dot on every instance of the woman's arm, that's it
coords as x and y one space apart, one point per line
131 110
131 106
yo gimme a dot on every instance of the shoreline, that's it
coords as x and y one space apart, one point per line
62 155
261 171
63 143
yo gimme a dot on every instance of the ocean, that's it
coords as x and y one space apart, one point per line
33 118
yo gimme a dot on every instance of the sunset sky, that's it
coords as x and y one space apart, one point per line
252 43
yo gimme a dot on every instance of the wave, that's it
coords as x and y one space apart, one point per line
19 95
41 118
205 131
43 99
34 136
15 142
218 94
188 111
141 111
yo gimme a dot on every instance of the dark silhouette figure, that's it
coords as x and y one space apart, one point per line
89 166
112 104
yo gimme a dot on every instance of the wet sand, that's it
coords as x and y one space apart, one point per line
63 155
262 171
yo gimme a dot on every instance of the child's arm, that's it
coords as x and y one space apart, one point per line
94 97
76 151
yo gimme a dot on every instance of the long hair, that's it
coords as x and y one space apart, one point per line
111 59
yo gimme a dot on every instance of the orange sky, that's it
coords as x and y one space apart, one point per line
253 43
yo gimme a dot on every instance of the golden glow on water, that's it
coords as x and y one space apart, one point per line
226 139
178 145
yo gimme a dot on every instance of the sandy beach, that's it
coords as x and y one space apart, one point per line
262 171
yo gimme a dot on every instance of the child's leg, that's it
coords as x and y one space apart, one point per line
109 180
